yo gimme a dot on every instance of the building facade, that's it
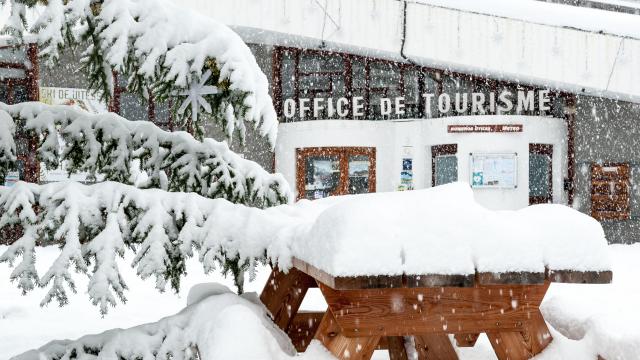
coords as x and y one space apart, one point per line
393 95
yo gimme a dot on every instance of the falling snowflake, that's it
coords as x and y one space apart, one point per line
195 96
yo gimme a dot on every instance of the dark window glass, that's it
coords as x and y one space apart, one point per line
20 94
431 87
132 107
4 93
412 96
359 174
446 169
539 175
322 176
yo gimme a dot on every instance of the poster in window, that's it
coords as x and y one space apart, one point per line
494 171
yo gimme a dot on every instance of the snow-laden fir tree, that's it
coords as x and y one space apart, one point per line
165 51
93 226
162 50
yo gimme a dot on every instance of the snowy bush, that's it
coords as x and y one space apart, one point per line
221 325
162 50
106 144
94 223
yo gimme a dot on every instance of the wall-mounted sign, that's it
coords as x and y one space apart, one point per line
456 129
494 170
82 98
406 175
462 103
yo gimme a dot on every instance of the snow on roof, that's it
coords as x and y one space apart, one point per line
588 19
635 4
442 230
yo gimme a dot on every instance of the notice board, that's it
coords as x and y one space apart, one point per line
494 170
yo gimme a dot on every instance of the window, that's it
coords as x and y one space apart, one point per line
610 191
444 164
19 83
540 173
331 171
131 107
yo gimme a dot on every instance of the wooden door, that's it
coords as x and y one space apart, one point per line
610 191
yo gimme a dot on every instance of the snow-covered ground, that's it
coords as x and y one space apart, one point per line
596 318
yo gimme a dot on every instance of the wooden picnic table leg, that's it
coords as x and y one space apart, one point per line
397 351
434 347
522 345
466 340
342 347
283 294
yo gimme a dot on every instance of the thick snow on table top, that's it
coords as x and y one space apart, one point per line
443 230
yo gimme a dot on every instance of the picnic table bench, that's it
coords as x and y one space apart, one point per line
366 313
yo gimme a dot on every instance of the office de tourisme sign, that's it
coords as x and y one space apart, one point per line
476 103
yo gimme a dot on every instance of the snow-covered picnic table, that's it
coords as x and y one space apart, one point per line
431 263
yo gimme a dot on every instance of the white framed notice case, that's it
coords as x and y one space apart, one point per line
493 170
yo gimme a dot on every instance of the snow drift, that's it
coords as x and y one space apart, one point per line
216 324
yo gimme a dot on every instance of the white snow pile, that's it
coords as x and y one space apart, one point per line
435 231
158 46
107 144
216 324
443 230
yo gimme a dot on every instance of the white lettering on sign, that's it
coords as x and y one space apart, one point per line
454 129
476 103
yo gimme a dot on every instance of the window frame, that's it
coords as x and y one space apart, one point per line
343 154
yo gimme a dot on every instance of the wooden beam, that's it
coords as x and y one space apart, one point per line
524 277
434 347
521 345
436 280
580 277
343 283
397 350
404 311
341 346
466 340
439 280
303 328
283 294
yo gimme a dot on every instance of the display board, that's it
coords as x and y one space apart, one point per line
494 170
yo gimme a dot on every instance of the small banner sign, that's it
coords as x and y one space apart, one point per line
455 129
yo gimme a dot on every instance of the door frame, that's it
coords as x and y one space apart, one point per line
343 153
542 149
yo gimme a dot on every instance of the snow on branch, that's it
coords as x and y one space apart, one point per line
160 49
106 144
94 223
7 145
217 325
